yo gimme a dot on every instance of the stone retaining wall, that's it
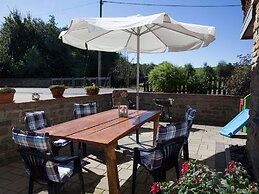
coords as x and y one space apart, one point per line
211 110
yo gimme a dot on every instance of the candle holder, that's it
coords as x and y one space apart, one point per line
123 111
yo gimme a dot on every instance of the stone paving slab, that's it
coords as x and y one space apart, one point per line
205 144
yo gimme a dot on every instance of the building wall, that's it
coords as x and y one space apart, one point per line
253 132
211 110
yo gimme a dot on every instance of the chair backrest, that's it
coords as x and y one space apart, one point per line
119 97
35 120
36 152
170 139
82 110
189 116
167 153
170 150
171 131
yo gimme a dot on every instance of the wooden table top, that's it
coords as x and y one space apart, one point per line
102 128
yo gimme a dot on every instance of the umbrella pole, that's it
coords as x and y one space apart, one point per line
138 50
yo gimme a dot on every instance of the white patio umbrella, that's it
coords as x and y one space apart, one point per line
146 34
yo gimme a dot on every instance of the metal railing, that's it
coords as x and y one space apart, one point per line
82 81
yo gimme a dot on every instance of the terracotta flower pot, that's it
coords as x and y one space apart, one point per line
6 98
92 92
57 92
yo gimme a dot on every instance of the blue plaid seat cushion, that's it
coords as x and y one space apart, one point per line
82 110
151 160
36 120
40 141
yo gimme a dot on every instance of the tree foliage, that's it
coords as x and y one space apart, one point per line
224 70
239 82
166 77
29 47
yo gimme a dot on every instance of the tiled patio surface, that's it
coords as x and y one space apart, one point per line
205 144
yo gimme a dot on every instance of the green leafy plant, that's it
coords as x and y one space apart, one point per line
7 90
166 77
92 90
57 87
198 178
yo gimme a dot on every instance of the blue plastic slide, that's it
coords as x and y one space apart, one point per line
235 124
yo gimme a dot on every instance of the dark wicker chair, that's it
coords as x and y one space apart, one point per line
164 104
37 120
40 164
158 160
82 110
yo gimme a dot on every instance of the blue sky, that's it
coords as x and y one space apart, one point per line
227 20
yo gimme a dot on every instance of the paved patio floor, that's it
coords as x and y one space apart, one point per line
205 144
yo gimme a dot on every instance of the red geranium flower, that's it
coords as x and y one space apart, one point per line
185 168
155 188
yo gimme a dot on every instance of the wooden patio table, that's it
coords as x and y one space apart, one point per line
104 129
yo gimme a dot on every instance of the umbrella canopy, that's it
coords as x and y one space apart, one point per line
146 34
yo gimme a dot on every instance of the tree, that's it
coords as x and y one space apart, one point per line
208 72
224 70
189 70
239 82
30 47
122 73
166 77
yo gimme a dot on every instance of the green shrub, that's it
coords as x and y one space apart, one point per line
166 77
239 82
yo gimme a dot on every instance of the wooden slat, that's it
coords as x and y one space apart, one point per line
77 125
114 132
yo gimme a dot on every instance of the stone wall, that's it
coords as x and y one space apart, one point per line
211 110
253 132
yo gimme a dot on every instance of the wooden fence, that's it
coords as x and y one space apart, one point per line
213 86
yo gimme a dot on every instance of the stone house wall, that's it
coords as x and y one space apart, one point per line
211 110
253 132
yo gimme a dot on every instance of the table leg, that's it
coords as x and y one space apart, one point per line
155 127
112 171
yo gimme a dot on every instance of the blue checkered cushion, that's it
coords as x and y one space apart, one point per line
36 120
151 160
82 110
154 160
170 131
190 113
40 141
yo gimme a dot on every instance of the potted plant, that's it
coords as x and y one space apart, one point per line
57 90
92 90
6 95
